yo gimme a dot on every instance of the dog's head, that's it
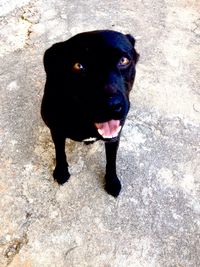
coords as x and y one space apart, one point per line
99 68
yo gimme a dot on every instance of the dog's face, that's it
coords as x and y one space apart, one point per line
100 69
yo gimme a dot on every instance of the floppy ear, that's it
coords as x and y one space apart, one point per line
132 41
50 58
53 58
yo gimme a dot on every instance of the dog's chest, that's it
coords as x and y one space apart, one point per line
81 130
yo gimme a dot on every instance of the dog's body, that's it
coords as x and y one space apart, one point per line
89 78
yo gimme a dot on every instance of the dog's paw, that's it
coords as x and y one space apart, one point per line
113 186
61 174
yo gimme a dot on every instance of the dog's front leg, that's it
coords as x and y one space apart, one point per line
112 183
61 173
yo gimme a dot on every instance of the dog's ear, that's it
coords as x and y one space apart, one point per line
132 41
53 58
49 59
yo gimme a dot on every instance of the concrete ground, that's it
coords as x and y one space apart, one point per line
155 222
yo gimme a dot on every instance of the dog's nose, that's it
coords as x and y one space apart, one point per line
115 104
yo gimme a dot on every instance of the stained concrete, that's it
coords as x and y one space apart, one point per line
155 222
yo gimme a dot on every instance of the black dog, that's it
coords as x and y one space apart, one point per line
86 95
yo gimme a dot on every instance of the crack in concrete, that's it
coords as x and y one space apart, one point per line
70 250
196 29
14 248
32 16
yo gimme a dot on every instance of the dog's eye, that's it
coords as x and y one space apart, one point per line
124 61
78 67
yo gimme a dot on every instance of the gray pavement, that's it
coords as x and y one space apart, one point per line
155 222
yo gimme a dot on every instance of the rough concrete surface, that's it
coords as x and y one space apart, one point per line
155 222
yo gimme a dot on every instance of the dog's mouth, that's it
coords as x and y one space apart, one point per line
109 129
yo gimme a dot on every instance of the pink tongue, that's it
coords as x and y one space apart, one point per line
108 129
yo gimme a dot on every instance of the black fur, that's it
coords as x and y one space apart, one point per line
89 78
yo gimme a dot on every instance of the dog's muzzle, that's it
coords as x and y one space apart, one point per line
116 110
115 105
109 129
